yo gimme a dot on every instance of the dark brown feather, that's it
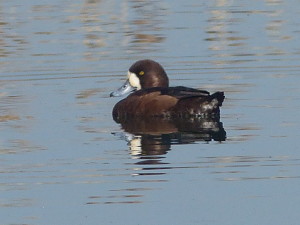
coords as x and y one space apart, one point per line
168 102
157 99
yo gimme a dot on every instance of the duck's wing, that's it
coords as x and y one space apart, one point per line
178 92
181 92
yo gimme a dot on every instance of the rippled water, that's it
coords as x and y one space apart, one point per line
63 160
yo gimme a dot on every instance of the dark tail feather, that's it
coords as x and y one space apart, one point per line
219 96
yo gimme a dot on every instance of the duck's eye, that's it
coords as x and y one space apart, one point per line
141 73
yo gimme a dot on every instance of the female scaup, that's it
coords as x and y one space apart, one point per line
151 96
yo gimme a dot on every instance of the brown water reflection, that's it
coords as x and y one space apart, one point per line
155 136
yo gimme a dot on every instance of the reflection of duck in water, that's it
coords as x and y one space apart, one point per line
154 136
152 96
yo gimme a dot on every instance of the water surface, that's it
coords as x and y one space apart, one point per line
65 161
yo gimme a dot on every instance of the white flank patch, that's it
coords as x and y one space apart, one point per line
134 80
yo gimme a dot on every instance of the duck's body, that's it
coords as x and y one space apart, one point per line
152 96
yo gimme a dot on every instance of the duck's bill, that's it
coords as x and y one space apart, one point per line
124 89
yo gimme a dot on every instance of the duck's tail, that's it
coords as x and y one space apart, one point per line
219 96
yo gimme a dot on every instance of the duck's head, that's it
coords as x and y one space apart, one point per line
141 75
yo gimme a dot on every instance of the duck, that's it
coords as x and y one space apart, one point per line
150 96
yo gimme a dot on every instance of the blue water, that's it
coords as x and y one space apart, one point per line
63 160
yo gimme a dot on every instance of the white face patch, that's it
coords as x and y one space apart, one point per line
134 80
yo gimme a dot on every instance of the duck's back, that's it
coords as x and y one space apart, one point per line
171 102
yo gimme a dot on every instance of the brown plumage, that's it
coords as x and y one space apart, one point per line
156 99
